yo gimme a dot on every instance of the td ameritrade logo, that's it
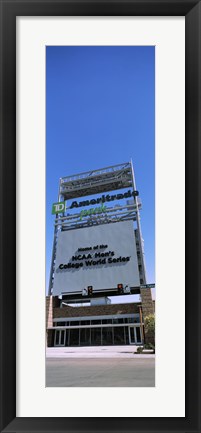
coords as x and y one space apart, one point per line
61 207
103 199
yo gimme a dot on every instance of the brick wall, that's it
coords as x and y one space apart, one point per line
147 303
96 310
147 308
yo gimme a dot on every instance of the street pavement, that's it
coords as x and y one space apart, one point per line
104 366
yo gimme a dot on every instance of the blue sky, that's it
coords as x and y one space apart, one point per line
100 111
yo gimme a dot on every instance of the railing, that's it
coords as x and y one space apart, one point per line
110 169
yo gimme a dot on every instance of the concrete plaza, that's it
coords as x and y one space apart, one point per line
105 366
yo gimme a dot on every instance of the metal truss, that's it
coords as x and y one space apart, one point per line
96 181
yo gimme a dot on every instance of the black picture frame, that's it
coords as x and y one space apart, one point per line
191 9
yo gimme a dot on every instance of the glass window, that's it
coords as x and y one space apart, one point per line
138 334
106 321
96 322
119 337
62 337
132 335
67 337
74 337
85 337
127 336
96 336
85 322
74 323
107 336
57 338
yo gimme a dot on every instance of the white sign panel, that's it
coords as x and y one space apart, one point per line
100 256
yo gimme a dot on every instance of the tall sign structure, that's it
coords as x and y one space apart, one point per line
97 234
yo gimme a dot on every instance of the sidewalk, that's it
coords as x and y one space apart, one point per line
96 352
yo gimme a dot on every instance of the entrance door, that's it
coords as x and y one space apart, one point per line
135 335
131 335
59 337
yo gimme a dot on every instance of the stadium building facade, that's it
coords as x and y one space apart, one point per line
98 253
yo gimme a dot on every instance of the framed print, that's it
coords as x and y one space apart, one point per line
32 32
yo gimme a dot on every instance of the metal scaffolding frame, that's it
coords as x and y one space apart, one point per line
96 181
112 178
